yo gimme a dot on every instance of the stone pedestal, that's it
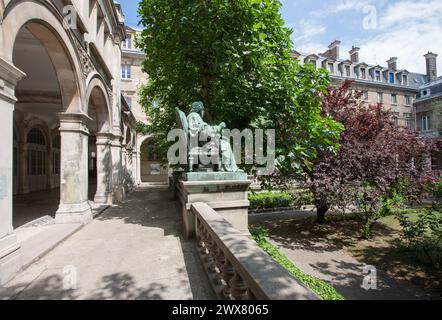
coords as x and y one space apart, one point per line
74 205
225 192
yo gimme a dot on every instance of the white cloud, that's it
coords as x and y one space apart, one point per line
407 30
308 30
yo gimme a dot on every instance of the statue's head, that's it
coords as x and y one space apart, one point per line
197 107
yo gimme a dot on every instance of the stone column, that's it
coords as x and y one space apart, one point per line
104 169
135 167
118 188
74 205
10 251
129 160
123 166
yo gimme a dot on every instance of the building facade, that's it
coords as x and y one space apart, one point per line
132 77
395 88
67 134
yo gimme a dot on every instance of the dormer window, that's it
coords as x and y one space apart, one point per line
377 75
347 71
363 73
391 77
404 79
331 68
127 44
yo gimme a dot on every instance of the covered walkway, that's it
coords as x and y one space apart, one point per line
132 251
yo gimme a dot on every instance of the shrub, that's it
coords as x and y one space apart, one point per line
268 200
302 198
423 236
321 288
437 190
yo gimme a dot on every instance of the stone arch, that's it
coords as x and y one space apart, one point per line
39 18
97 94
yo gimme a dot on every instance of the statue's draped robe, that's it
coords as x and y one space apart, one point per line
197 127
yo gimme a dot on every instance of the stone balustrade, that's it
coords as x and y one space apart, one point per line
237 268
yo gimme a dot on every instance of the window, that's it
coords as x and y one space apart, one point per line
380 97
391 77
331 68
127 44
404 80
378 75
408 123
425 125
129 101
36 153
347 71
408 100
394 98
396 121
126 71
366 95
363 73
35 136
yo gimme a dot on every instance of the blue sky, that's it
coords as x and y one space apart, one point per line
406 29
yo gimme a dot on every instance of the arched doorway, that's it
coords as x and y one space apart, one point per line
99 144
49 88
151 171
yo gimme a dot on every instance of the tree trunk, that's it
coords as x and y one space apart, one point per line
321 211
205 82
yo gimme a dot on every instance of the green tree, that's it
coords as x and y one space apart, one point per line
236 57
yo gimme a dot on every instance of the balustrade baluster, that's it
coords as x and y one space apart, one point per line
227 272
238 287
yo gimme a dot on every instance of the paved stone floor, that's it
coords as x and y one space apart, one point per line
35 205
132 251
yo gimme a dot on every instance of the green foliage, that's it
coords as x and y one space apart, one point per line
302 198
236 57
372 208
423 236
267 200
437 190
321 288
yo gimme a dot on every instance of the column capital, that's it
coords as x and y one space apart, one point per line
10 73
73 122
104 138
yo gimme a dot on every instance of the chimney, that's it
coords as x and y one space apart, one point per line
333 49
431 61
354 54
392 64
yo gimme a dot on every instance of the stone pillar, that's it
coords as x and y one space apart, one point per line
10 251
104 169
139 167
129 160
74 205
117 180
135 166
123 166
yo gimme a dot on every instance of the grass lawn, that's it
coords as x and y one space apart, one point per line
381 251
